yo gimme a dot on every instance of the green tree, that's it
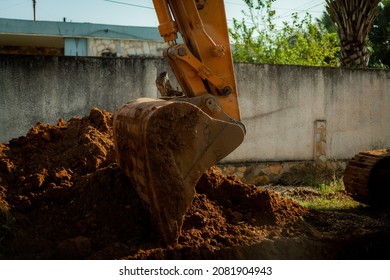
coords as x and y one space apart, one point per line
301 42
380 37
326 21
354 19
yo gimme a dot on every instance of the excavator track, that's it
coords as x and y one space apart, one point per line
367 177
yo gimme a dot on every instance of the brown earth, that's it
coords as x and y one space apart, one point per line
63 196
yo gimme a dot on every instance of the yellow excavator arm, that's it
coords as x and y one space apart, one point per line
164 145
203 64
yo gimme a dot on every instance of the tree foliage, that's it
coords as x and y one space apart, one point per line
327 22
256 39
380 37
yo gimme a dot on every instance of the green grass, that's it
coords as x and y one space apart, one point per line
329 196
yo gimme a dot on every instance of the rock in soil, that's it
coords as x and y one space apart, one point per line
63 196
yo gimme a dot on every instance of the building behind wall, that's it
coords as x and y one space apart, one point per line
26 37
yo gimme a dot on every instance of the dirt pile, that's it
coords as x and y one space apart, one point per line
63 196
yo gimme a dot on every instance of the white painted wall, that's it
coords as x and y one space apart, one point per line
280 104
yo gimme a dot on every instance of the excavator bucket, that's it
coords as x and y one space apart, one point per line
164 146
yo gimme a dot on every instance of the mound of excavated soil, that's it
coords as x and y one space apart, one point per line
62 196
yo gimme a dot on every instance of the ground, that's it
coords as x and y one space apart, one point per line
63 196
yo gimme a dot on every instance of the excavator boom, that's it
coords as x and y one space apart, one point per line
203 64
164 145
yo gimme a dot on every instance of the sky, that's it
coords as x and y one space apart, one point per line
134 12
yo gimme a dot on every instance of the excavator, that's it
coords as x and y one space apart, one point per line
165 144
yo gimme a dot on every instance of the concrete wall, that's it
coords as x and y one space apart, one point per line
281 104
290 112
37 88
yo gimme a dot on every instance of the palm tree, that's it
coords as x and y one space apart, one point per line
353 19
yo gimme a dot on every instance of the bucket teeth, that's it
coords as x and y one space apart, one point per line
164 147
